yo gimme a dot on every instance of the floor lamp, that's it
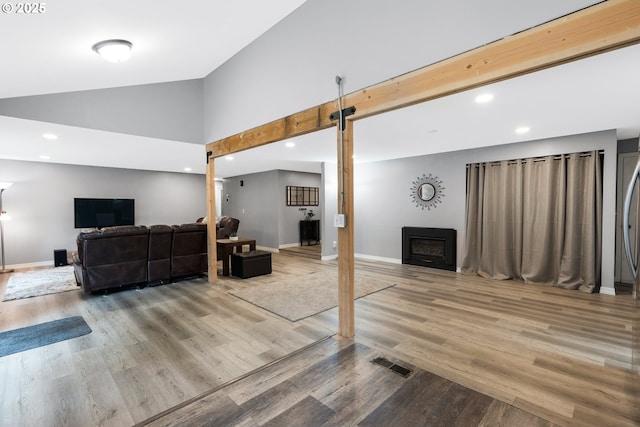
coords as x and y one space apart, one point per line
3 218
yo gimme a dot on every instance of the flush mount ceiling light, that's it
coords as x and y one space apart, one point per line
114 50
522 129
50 136
290 144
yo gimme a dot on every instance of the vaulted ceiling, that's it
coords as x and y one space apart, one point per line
50 52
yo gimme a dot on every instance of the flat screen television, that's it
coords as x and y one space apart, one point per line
89 213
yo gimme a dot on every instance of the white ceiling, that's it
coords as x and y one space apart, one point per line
167 37
590 95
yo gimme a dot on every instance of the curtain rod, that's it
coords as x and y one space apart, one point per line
535 159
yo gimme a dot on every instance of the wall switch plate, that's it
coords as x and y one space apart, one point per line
339 221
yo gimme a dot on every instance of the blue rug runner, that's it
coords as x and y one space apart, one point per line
47 333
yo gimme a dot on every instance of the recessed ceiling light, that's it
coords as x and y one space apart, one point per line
522 129
229 157
187 169
290 144
49 136
45 157
114 50
484 98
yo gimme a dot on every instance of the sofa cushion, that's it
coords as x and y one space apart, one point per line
189 250
112 257
159 258
119 230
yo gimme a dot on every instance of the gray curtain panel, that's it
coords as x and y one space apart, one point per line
538 220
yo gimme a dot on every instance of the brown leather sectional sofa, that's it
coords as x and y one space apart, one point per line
115 257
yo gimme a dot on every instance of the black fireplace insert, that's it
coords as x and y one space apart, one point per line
429 247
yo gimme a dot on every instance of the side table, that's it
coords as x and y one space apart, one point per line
309 231
225 247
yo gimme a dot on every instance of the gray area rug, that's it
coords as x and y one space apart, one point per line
304 296
40 282
47 333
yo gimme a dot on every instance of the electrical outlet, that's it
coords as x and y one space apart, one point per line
335 244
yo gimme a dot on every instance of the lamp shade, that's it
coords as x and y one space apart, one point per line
115 50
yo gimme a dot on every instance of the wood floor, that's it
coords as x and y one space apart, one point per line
561 355
317 387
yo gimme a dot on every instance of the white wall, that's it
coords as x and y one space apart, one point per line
383 205
293 65
329 199
40 202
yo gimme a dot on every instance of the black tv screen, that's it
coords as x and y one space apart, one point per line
89 213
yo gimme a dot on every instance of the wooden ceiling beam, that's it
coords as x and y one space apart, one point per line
603 27
606 26
310 120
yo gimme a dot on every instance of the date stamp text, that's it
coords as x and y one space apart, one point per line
24 8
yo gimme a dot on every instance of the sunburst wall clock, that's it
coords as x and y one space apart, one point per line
427 191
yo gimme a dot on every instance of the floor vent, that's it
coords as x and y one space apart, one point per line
400 370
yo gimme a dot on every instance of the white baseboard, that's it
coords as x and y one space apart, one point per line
31 265
365 257
289 245
378 258
607 291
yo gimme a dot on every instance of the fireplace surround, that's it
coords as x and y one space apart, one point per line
429 247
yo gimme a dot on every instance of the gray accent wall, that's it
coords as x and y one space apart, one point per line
40 202
170 111
260 205
255 204
383 205
290 216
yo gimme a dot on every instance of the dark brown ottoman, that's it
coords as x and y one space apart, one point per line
250 264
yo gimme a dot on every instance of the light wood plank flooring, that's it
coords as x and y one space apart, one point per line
335 383
561 355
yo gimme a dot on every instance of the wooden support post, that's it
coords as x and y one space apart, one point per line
211 220
346 307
